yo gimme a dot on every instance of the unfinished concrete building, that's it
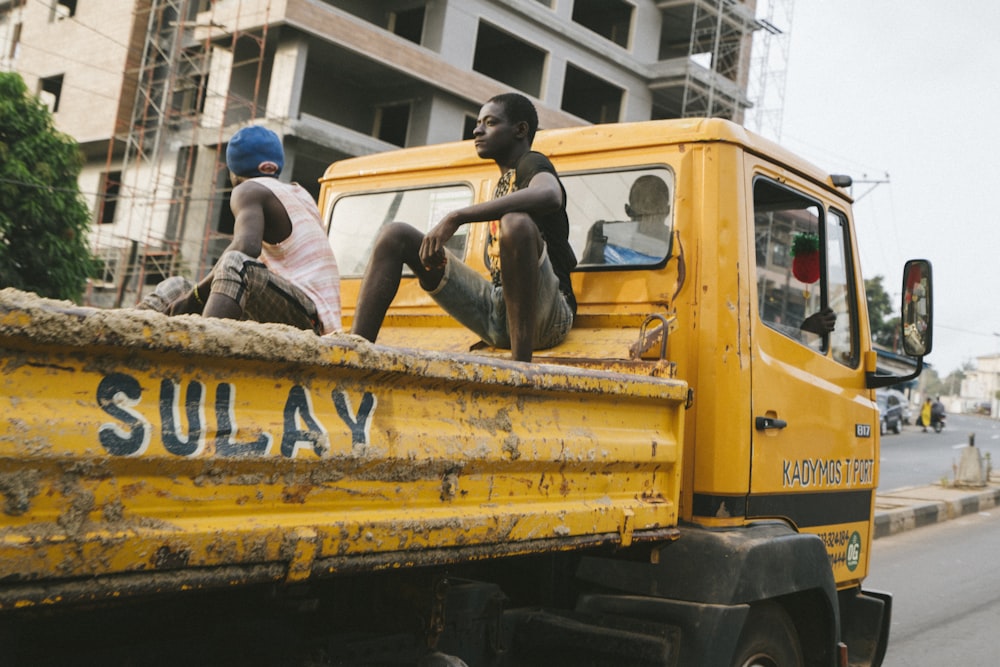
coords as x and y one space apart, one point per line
153 89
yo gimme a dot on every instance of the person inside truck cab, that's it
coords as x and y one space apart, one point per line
528 302
279 267
644 238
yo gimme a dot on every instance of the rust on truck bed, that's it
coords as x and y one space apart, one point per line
141 452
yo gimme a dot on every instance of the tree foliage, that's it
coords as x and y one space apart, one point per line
885 327
43 217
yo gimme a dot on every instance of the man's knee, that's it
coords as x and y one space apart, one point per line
519 233
397 237
232 267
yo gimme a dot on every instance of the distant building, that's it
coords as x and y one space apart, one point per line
153 89
981 384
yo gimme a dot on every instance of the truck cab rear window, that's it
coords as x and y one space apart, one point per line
620 219
356 220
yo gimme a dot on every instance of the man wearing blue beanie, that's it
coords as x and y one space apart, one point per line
279 266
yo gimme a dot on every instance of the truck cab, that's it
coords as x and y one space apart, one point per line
739 249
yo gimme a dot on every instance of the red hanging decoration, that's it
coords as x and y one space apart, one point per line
805 251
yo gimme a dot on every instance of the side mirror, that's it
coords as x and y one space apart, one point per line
917 317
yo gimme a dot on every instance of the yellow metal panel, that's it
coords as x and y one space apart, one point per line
140 443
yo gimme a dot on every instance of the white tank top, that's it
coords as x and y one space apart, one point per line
305 257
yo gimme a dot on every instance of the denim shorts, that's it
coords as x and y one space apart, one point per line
478 304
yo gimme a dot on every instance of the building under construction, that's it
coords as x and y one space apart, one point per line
152 92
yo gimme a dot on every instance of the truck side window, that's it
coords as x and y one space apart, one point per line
620 219
789 260
840 287
355 220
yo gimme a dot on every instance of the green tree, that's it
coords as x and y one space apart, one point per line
884 327
43 217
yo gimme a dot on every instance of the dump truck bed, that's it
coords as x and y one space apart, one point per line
144 453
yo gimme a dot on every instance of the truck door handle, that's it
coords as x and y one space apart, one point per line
765 423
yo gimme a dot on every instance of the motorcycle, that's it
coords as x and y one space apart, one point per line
937 423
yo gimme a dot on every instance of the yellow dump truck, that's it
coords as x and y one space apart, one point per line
688 479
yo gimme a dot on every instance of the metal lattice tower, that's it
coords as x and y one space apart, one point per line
769 66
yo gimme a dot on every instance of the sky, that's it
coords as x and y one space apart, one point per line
907 91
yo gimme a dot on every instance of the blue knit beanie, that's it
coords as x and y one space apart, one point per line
255 151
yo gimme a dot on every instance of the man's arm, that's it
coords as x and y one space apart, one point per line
247 203
542 195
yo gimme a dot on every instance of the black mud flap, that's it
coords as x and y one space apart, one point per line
864 620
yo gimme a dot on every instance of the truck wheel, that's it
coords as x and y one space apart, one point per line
768 639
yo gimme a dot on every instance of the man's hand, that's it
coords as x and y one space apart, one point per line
820 323
185 305
432 247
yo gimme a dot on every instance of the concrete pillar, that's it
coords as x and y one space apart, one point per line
646 26
219 75
437 120
450 29
554 81
971 471
284 94
200 212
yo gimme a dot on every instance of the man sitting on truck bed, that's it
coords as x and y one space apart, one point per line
279 266
529 304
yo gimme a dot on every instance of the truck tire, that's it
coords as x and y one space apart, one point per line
768 639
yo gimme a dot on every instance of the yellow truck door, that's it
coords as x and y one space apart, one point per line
814 427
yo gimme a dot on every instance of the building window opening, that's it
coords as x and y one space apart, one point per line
468 127
508 60
50 90
109 197
611 20
408 24
63 9
392 123
590 98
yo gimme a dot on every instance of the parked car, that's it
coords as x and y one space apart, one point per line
890 407
905 402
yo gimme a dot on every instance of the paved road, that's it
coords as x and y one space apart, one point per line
914 458
946 592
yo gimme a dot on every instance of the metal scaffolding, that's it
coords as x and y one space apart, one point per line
720 42
155 145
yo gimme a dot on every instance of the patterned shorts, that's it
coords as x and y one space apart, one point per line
264 296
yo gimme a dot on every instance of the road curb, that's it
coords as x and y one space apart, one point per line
908 509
